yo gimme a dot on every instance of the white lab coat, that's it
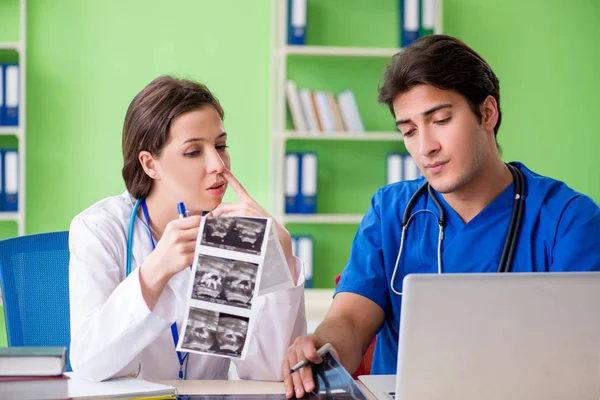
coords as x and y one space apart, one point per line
113 331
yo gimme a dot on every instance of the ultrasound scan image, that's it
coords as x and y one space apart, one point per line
224 281
241 234
201 330
231 334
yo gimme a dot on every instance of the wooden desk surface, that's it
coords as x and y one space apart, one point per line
234 387
226 387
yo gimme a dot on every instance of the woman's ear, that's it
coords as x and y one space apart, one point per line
149 164
489 113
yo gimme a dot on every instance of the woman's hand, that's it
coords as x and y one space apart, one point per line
174 252
248 207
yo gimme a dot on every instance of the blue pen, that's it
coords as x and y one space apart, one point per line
181 210
182 213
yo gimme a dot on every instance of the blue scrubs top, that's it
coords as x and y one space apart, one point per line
560 232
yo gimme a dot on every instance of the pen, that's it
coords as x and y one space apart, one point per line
181 210
182 213
304 363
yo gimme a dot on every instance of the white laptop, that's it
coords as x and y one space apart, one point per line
497 336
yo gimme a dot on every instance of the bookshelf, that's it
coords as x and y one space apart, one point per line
356 136
339 51
10 46
351 165
322 218
11 137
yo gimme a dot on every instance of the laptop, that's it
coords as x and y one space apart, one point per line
497 336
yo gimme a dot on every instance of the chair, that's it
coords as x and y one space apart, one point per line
367 361
34 276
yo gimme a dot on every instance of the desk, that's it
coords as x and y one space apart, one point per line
234 387
225 387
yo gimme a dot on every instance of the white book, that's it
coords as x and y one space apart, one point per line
325 112
308 110
293 101
349 110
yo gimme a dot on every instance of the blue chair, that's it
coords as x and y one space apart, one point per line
34 274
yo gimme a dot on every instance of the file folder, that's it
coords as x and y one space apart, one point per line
11 98
409 19
2 85
394 168
11 180
411 169
2 180
305 253
297 16
428 13
308 183
292 183
295 246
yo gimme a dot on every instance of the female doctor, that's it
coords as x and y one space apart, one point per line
174 150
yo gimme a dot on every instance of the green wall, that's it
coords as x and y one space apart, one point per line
86 61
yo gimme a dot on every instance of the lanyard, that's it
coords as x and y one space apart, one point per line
182 358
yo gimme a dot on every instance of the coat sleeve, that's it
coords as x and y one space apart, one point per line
280 319
110 321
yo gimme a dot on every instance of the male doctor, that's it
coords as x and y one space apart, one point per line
446 102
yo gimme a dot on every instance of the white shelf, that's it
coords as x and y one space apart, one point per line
9 130
9 216
322 218
14 46
340 51
358 136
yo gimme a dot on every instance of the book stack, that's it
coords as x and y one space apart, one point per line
33 373
322 112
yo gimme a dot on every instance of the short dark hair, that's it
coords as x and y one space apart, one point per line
446 63
148 120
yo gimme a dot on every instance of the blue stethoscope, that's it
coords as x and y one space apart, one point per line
512 235
183 359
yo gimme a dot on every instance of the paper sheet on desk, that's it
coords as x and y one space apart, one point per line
116 388
236 260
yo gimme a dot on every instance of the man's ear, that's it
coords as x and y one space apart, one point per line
489 113
149 164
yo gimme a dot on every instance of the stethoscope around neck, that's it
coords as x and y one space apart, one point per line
182 358
512 235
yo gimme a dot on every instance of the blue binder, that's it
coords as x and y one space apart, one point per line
2 207
10 181
296 21
11 95
394 168
2 85
409 22
308 183
305 248
292 182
